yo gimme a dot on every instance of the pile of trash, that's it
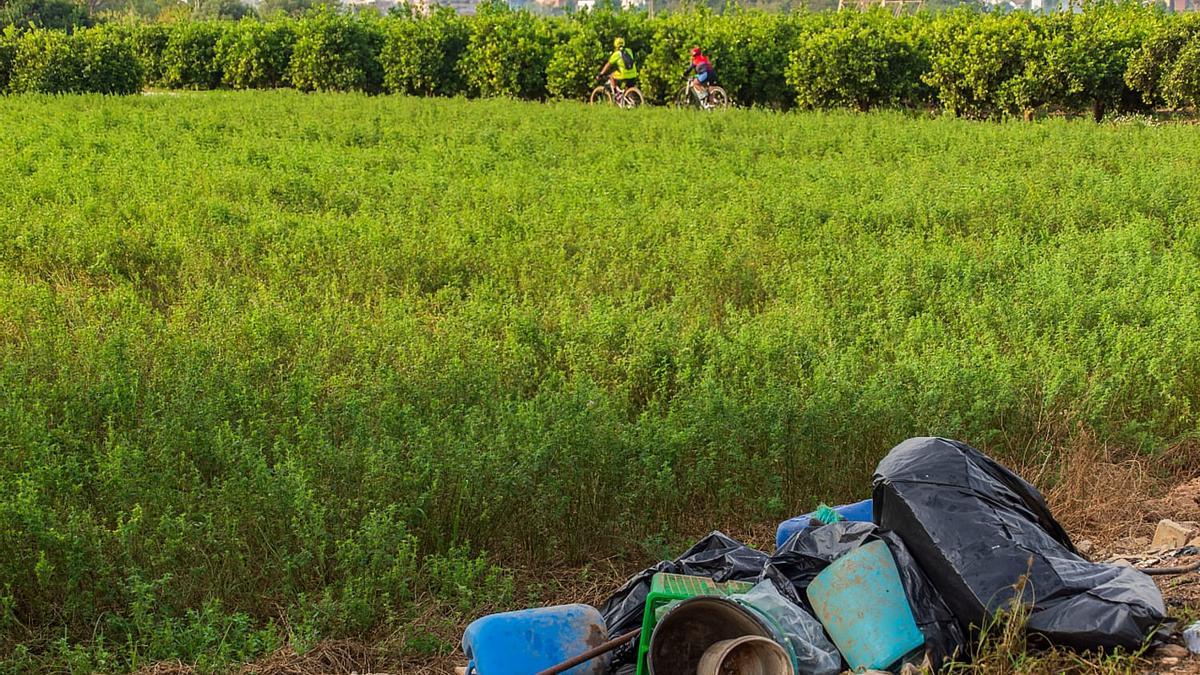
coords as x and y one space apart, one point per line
897 582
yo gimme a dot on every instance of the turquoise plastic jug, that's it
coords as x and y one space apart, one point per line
861 602
531 640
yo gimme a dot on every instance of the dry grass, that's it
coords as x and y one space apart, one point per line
1096 494
330 657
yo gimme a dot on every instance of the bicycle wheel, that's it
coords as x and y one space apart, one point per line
684 98
717 98
600 95
632 98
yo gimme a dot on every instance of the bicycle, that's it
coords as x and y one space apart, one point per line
630 97
717 98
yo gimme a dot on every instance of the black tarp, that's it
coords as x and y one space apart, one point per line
976 528
806 553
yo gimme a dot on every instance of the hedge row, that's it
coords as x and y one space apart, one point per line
965 62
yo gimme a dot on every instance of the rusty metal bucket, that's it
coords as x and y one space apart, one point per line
747 655
686 633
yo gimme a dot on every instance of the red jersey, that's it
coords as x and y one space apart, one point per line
701 64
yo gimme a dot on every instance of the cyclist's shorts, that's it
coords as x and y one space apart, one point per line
702 77
625 84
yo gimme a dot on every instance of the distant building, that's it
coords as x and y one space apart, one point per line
625 4
380 6
465 7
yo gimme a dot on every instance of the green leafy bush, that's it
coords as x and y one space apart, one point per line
337 52
149 42
8 53
1153 66
765 43
189 58
507 53
985 64
571 71
1181 87
51 14
47 62
110 65
420 53
971 63
1102 43
857 60
255 55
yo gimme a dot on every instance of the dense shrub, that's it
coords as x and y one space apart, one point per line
1102 42
54 14
256 55
507 53
149 43
1155 68
1182 85
110 65
420 54
984 64
859 61
968 62
189 58
8 52
765 42
48 62
572 69
337 52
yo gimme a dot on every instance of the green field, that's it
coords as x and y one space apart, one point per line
285 367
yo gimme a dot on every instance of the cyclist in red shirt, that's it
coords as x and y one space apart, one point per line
704 73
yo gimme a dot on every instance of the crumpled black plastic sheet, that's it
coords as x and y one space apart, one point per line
975 528
802 557
716 556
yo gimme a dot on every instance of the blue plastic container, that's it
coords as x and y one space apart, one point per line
861 602
858 511
532 640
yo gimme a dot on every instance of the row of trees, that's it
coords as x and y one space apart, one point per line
72 14
968 63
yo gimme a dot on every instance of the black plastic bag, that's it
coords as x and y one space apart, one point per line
716 556
976 528
795 564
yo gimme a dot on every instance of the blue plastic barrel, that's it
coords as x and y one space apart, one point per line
861 602
532 640
858 511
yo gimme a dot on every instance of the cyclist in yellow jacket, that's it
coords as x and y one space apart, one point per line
624 68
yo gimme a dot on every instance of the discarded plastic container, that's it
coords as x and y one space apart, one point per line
687 631
747 655
1191 637
532 640
858 511
666 588
861 602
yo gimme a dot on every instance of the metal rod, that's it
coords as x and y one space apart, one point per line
591 653
1170 570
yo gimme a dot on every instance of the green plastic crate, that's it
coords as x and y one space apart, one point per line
666 588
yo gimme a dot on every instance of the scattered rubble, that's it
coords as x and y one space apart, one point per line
1171 535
